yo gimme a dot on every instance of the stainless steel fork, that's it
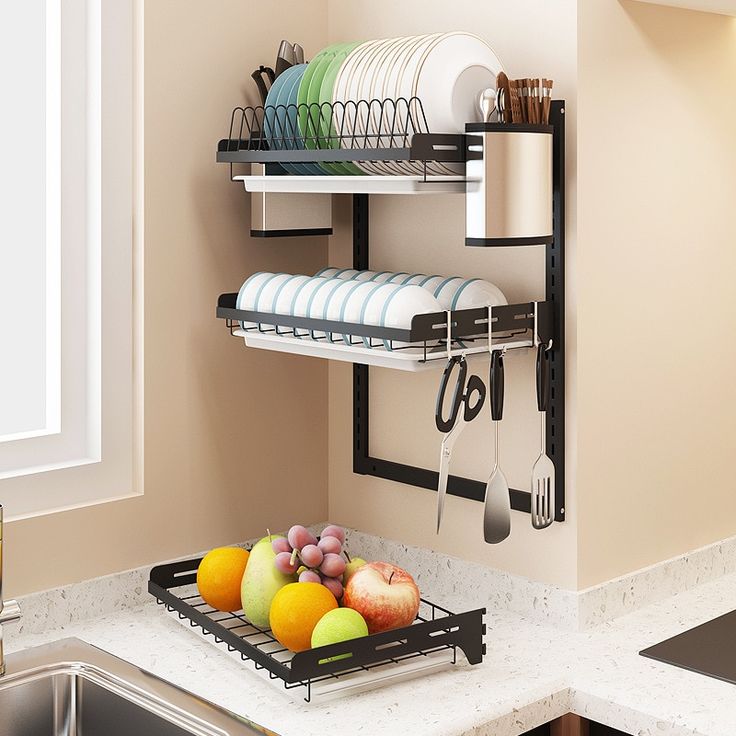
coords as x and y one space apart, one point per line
543 472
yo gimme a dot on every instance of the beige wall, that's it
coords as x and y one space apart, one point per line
656 305
427 234
235 440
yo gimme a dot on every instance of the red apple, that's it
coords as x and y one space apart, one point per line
385 595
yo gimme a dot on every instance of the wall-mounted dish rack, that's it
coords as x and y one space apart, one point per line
441 162
432 642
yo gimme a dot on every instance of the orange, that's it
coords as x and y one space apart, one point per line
219 576
295 611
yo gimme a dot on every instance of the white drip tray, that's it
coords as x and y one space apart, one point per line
404 359
354 184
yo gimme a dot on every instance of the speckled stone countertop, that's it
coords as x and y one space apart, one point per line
533 673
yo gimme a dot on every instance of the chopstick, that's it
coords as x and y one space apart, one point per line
530 101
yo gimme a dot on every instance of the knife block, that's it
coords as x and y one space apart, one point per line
278 215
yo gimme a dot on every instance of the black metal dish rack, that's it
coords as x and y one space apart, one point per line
397 131
425 330
436 629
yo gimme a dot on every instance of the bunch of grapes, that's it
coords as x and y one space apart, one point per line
316 560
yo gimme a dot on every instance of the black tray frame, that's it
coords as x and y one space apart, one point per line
444 630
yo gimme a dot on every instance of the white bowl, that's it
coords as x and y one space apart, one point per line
352 306
263 299
326 273
333 306
477 293
282 299
444 289
247 294
317 302
370 313
402 305
300 301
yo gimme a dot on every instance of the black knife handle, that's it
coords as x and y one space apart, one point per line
543 386
257 77
497 385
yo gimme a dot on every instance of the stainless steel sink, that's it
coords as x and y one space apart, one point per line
70 688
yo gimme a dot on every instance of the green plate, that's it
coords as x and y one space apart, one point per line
326 95
308 100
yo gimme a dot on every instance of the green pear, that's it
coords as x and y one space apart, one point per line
351 568
261 582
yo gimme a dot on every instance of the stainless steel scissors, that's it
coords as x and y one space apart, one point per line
469 395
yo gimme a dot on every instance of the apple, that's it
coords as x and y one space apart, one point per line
385 595
351 568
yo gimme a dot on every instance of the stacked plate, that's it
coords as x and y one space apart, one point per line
385 299
377 94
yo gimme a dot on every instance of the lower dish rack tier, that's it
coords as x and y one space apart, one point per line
413 349
431 642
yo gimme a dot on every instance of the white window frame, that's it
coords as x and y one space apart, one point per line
91 449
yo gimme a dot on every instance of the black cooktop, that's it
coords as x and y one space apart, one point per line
709 649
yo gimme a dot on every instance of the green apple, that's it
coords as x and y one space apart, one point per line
351 568
340 624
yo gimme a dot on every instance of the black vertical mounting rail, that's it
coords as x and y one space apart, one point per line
364 464
555 292
360 372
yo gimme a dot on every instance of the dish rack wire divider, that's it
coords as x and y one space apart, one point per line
402 134
398 132
435 630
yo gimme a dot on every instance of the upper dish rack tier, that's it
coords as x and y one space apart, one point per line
304 133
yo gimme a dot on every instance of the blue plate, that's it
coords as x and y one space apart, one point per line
288 98
274 119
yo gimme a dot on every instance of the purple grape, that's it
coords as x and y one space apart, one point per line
309 576
284 564
334 531
281 544
330 545
334 586
300 537
311 555
332 565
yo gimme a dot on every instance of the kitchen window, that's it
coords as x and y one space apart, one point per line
69 394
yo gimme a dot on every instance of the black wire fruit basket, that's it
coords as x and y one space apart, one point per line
432 641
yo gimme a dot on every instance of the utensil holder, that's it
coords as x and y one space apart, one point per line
509 184
274 215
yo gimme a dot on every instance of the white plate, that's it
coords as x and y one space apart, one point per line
360 90
342 116
381 120
451 74
400 90
345 91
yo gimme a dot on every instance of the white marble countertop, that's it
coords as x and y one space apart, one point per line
532 674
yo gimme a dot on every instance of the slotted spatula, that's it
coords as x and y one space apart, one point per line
543 472
497 508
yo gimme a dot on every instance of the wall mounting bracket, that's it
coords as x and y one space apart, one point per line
365 464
